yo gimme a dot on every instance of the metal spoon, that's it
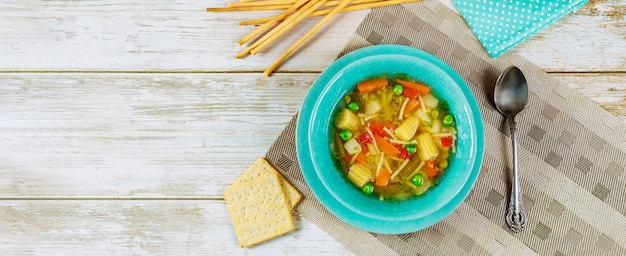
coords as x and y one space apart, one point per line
511 96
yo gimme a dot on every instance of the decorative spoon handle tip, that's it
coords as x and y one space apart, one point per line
516 221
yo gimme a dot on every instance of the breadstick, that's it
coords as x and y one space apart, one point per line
249 8
321 23
354 7
290 22
290 25
260 3
272 21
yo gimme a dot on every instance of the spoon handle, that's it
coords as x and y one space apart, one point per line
515 217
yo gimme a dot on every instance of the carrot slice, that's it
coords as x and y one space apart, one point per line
361 159
411 105
383 178
372 85
422 89
364 149
431 170
410 93
385 146
377 127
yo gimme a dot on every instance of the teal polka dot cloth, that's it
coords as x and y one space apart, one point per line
500 25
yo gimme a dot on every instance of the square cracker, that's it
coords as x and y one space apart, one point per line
262 167
259 210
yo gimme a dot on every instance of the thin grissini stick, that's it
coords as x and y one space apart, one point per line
366 5
272 21
260 3
254 6
334 3
249 1
290 24
290 19
277 31
354 7
321 23
271 5
245 1
249 8
331 3
255 21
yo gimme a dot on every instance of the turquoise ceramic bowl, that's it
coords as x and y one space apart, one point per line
329 185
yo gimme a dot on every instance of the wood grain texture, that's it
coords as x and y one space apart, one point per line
182 37
122 123
138 135
606 90
156 227
159 135
63 36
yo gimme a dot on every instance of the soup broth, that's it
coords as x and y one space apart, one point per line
392 137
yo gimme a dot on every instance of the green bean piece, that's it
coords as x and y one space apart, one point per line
411 148
417 179
398 89
448 120
368 189
345 135
443 105
353 106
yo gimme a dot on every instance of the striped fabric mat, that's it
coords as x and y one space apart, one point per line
572 156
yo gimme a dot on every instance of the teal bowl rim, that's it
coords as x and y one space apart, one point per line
309 147
343 82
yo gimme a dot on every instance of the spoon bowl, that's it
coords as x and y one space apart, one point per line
511 96
511 92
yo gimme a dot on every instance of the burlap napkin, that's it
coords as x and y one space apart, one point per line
572 157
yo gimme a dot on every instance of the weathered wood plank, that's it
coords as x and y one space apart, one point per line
154 227
163 36
66 36
148 111
137 135
606 90
159 135
581 42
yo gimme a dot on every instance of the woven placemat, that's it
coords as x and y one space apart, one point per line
572 156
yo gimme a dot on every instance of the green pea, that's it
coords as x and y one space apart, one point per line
397 89
417 179
345 135
353 106
448 120
411 148
367 189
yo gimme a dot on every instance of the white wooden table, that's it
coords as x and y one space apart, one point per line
122 122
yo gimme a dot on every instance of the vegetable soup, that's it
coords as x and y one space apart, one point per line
392 137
